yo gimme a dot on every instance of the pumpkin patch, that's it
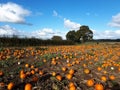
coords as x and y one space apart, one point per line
75 67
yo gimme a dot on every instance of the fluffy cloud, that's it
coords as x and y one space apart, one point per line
107 34
115 21
71 25
14 13
45 33
7 30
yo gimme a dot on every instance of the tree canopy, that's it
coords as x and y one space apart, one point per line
57 38
82 35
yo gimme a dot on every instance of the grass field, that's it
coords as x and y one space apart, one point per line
76 67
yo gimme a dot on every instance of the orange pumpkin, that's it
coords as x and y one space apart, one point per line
72 88
99 68
69 76
112 77
59 77
71 71
10 86
28 86
103 78
71 84
53 73
41 72
87 71
26 65
64 68
99 86
90 82
23 76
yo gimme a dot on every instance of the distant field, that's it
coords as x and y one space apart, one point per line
76 67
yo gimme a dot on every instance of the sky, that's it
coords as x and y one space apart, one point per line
47 18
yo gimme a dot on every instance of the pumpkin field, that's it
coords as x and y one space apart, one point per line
71 67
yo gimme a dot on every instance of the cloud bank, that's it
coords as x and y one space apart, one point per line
115 21
45 33
13 13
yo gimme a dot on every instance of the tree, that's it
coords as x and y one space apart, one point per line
83 34
71 35
57 38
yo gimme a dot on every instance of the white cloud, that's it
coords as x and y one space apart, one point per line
14 13
55 13
115 21
107 34
47 33
7 30
71 25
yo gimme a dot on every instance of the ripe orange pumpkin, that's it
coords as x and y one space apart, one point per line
99 86
28 86
64 68
72 88
71 71
59 77
26 65
53 73
23 76
41 72
71 84
10 86
87 71
90 82
69 76
112 77
99 68
103 78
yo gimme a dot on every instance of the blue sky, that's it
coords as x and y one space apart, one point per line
46 18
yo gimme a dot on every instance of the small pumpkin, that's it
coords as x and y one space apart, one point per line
69 76
72 88
23 76
41 72
71 71
99 86
26 65
59 77
112 77
10 86
90 82
71 84
28 86
99 68
103 78
53 73
87 71
64 69
32 71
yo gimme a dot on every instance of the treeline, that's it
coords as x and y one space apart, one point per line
15 41
105 40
